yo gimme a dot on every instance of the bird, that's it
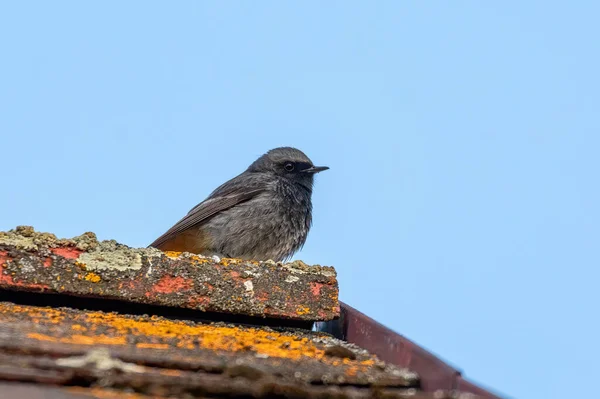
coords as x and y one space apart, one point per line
264 213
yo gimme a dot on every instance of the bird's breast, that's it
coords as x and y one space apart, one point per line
270 226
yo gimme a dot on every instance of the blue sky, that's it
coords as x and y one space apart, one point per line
461 208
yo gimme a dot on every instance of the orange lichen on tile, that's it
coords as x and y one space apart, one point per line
79 339
104 393
157 333
171 373
172 254
227 261
78 327
302 310
152 346
115 328
95 340
93 277
225 338
48 315
196 258
81 265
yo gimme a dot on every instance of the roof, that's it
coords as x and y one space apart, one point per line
82 266
434 373
153 354
82 318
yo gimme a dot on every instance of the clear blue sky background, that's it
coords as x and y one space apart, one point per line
461 208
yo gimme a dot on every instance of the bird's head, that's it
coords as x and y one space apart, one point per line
289 163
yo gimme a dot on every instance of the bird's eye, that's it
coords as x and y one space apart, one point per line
289 166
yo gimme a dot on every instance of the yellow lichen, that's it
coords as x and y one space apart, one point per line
200 261
216 338
301 310
157 333
172 254
80 339
53 316
151 346
93 277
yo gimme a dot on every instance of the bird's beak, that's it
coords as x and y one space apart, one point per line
315 169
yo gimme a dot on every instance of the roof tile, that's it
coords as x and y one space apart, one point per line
82 266
176 352
153 354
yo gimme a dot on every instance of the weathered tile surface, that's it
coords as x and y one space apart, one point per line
154 355
83 266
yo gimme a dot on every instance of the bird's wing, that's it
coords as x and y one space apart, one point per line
224 197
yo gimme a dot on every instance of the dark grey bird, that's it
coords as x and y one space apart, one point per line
264 213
